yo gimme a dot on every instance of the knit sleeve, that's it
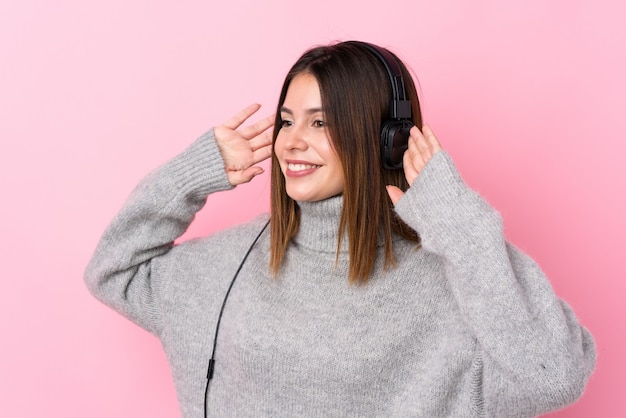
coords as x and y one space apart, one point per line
535 356
127 269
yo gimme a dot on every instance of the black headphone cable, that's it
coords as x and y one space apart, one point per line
211 367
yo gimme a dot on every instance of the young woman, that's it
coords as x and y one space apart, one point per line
373 292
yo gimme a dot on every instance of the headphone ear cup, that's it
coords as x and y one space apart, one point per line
394 141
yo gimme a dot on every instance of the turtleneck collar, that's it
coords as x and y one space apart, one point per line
319 223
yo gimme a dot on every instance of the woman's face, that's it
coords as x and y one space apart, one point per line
304 150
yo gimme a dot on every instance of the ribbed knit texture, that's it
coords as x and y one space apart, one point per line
466 326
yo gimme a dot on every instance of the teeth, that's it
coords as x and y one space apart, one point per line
301 167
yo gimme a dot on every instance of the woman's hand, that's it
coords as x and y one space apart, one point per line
422 147
243 148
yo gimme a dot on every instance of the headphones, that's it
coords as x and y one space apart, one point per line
394 135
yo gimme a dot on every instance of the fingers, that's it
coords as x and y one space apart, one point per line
408 161
431 139
422 147
426 142
262 154
248 169
258 128
261 145
395 194
236 178
242 116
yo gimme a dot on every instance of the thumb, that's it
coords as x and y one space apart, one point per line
394 194
238 177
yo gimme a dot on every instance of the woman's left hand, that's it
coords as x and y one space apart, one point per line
422 147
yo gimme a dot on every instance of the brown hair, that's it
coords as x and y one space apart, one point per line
355 92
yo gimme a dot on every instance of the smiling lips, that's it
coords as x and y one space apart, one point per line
297 169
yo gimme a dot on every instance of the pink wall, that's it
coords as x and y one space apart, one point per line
529 99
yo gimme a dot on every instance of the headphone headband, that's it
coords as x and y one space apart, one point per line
400 107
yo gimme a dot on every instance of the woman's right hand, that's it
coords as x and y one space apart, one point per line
243 148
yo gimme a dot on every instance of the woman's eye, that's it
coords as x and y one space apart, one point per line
319 123
285 123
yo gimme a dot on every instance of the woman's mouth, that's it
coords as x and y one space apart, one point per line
295 169
301 167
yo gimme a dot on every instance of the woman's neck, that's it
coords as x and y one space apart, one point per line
319 225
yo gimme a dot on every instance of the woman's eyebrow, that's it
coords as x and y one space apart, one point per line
313 110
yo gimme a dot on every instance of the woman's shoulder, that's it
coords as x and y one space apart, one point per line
227 239
242 231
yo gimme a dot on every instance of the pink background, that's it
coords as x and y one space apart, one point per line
528 97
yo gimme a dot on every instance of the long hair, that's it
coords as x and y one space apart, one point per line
355 93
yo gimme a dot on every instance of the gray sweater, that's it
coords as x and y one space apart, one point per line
466 326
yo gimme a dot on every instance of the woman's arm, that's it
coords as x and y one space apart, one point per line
126 270
536 357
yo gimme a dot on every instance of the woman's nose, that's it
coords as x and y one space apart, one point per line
295 138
